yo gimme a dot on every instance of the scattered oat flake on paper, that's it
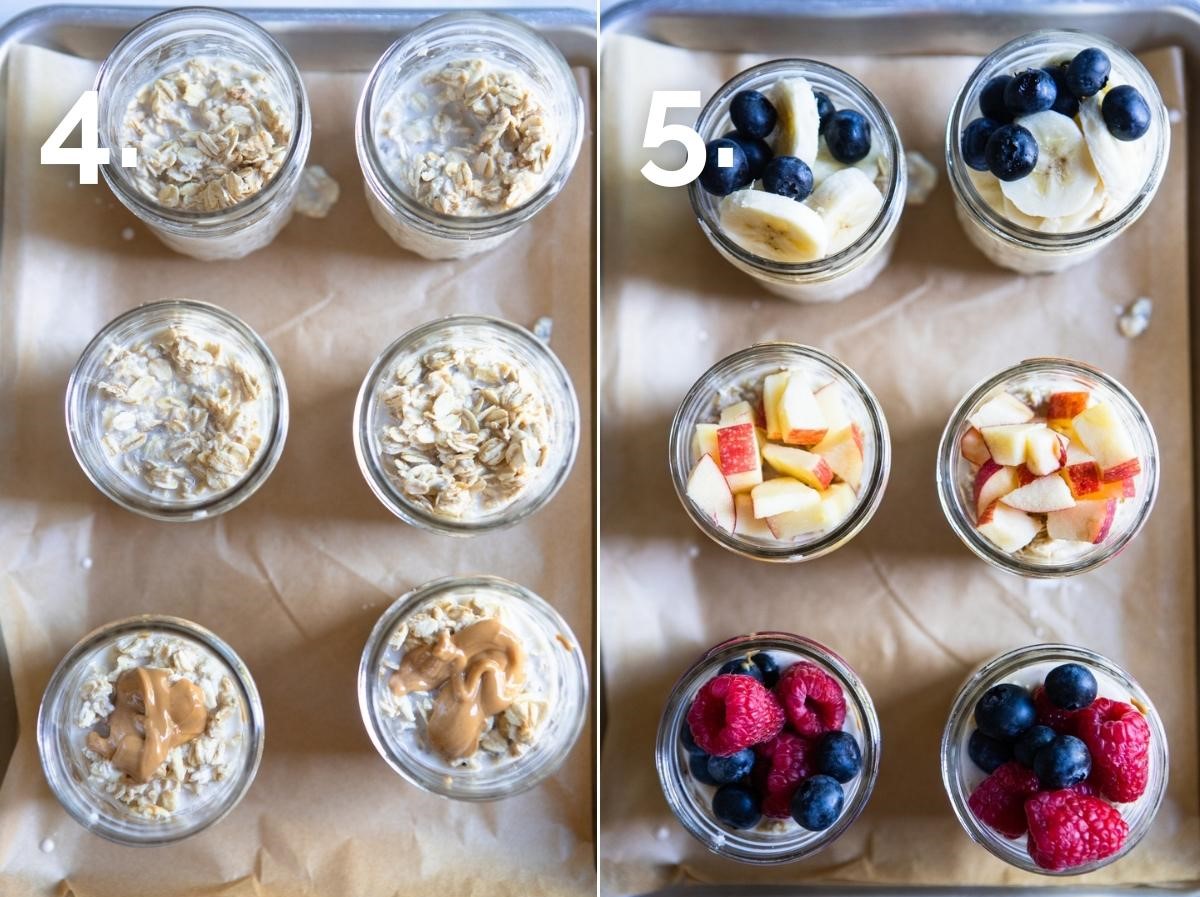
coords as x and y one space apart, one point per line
922 178
543 328
1136 317
318 192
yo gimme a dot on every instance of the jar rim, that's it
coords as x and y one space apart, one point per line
871 489
60 780
573 699
206 506
380 483
948 456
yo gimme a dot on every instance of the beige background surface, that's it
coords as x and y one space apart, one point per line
295 578
905 603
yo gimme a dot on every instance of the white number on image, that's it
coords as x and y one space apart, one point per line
89 155
659 132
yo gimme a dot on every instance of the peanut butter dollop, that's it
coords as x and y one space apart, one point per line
151 716
474 673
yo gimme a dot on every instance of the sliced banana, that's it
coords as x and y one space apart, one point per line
987 185
773 226
848 202
799 124
874 165
1087 217
1121 163
1064 178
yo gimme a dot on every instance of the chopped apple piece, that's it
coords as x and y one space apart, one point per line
705 442
780 495
1009 529
835 504
808 467
737 413
1088 521
1006 442
1045 452
1025 476
1064 406
1083 477
1045 494
829 397
800 417
843 450
974 449
1104 435
1000 410
745 523
773 387
993 482
739 457
710 493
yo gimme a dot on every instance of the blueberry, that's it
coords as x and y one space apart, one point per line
824 109
758 152
752 113
974 142
742 666
770 669
729 769
1027 746
788 176
1030 91
689 742
838 756
991 100
848 136
1063 762
736 806
1126 112
988 753
1012 152
1088 72
1005 711
698 764
1065 102
1071 686
723 181
817 803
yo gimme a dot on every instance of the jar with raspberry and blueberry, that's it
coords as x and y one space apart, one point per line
768 748
1054 759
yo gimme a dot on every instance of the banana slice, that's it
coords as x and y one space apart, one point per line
848 202
1064 178
987 185
799 124
874 165
1088 216
773 226
1121 163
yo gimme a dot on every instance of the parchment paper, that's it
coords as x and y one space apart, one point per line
905 603
295 578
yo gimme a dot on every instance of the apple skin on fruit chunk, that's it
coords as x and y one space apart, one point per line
992 483
1105 437
1083 478
1000 410
834 506
705 443
780 495
800 417
1007 528
1007 442
808 467
1045 452
773 387
739 457
844 452
710 493
745 523
973 448
1088 521
1045 494
1064 406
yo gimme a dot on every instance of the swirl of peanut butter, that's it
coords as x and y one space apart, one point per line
476 673
152 715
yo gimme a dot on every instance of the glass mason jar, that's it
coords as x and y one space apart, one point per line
1037 377
162 43
539 363
854 268
552 654
1009 243
85 420
445 39
1028 667
691 801
61 739
730 376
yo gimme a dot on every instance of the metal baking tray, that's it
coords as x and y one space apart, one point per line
331 40
927 27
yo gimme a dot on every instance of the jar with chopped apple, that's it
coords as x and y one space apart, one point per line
217 113
804 179
780 452
1054 759
1048 469
1056 144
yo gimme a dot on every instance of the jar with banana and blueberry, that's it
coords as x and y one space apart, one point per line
1056 144
804 179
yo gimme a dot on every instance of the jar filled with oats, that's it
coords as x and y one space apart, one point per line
468 126
466 424
177 410
150 730
218 116
495 720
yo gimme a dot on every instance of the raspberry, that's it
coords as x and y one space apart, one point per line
1061 721
811 698
784 762
1118 737
1067 829
999 801
731 713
